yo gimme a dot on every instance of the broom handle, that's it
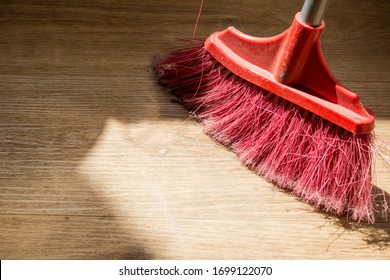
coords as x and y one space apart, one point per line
313 11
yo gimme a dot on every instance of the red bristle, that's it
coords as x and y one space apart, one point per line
318 161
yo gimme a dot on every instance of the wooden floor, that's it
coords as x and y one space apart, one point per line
97 162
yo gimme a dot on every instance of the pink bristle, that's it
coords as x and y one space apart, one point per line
318 161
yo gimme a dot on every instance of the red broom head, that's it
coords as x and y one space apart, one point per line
318 161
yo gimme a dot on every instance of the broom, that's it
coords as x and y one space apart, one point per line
274 102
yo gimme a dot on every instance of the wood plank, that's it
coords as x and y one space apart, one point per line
97 162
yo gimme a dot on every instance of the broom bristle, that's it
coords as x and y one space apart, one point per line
318 161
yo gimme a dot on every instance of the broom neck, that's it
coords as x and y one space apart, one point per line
313 12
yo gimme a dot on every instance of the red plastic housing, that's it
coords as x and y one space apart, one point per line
291 65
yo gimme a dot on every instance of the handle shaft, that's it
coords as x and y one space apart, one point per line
313 12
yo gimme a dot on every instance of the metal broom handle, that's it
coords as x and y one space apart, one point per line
313 11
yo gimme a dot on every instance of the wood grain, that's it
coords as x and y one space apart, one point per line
97 162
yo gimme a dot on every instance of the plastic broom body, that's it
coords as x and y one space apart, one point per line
275 104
